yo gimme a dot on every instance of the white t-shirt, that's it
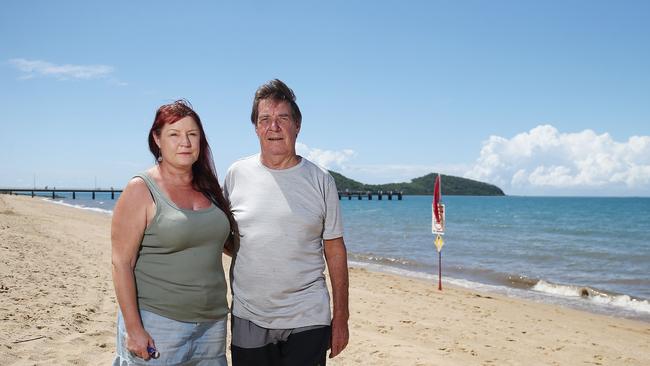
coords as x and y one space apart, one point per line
283 218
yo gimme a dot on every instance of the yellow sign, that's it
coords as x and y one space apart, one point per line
439 242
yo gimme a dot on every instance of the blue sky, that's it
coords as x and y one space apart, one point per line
540 98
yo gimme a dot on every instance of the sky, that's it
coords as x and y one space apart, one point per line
538 97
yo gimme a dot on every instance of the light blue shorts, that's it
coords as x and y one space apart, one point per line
179 343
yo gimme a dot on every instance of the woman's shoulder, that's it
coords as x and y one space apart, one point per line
137 186
136 183
134 199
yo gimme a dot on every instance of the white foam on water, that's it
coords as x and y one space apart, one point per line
599 298
379 260
433 277
94 209
561 290
623 301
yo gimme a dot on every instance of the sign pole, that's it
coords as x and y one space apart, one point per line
438 224
439 271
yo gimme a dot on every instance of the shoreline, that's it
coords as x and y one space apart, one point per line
580 297
56 284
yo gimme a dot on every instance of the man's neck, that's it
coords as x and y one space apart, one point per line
279 162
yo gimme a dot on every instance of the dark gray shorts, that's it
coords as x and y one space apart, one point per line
258 346
246 334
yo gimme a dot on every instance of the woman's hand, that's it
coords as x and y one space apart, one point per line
137 342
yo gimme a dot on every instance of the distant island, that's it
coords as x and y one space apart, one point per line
453 186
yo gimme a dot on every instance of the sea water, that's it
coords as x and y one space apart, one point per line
589 253
584 252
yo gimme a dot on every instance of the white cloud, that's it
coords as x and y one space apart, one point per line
33 68
545 160
329 159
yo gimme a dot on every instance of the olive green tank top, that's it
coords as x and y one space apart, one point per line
179 273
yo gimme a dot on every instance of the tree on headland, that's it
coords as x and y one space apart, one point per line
453 186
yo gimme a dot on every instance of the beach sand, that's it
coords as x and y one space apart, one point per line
57 307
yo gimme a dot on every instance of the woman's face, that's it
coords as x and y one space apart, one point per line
179 143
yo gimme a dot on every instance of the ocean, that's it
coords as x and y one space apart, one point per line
589 253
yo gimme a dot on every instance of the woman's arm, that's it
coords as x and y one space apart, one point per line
130 218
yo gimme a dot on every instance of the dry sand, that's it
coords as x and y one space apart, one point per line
57 307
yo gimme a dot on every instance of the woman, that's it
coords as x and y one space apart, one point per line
168 232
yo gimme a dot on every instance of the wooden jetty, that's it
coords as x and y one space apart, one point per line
369 194
54 191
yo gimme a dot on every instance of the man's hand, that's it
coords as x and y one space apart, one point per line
340 335
337 265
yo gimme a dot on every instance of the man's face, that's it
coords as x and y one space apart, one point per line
276 128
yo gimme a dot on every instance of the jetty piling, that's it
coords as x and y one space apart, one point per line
369 194
53 191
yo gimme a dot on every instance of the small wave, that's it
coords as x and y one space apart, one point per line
95 209
520 281
394 270
384 260
473 285
598 297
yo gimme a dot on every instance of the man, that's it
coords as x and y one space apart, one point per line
288 214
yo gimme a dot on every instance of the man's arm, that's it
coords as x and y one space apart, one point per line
337 264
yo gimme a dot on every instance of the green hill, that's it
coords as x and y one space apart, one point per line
453 186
